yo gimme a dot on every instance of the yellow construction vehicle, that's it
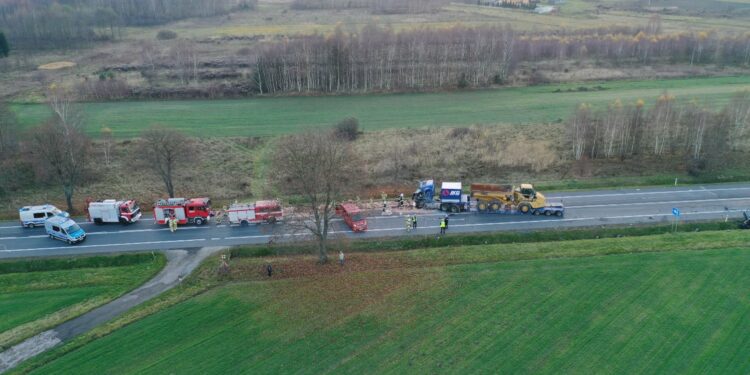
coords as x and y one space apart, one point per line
497 198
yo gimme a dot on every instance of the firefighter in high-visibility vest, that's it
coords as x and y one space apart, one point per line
172 223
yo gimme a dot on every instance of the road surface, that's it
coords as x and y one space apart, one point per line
583 208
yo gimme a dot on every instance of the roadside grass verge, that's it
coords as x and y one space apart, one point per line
38 294
485 238
664 303
272 116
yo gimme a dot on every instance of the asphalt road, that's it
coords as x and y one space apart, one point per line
583 208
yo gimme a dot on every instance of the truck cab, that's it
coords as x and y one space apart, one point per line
353 216
451 197
64 229
424 194
32 216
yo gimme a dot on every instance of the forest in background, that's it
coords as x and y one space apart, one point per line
40 24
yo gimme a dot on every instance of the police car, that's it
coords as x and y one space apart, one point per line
64 229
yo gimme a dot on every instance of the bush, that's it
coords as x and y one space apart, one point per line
166 35
347 129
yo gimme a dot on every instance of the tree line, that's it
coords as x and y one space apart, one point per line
374 6
379 59
66 23
667 128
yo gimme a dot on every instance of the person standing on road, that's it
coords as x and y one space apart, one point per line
341 258
414 222
442 226
446 222
401 200
172 223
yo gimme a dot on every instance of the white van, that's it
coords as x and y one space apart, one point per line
64 229
32 216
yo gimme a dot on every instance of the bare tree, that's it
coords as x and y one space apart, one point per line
165 150
60 146
107 143
8 130
580 126
319 168
738 115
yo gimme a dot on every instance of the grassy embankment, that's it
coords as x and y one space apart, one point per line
284 115
38 294
663 303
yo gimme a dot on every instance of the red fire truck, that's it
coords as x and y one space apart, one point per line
259 212
353 216
195 210
113 211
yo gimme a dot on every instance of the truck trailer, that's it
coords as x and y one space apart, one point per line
485 198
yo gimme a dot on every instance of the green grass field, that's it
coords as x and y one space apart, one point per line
283 115
464 310
33 301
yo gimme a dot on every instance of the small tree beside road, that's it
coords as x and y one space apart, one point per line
60 146
165 150
318 168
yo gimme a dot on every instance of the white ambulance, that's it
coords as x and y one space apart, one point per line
35 216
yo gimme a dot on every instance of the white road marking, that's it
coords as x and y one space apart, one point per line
658 203
106 245
551 195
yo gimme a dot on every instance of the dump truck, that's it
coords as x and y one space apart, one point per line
485 198
495 198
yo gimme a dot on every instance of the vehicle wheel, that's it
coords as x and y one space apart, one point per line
123 221
524 208
537 212
244 223
51 237
559 213
495 206
482 206
455 209
69 242
31 225
420 204
272 220
198 221
547 213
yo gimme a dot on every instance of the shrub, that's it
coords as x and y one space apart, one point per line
166 35
347 129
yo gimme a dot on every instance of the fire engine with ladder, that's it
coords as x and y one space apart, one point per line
268 211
